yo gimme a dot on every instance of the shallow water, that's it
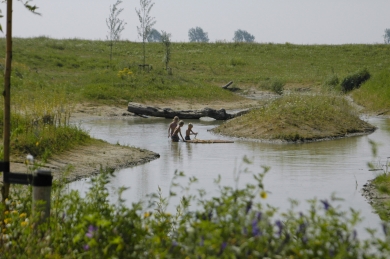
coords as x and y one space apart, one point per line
298 171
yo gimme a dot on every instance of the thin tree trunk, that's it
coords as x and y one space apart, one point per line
7 96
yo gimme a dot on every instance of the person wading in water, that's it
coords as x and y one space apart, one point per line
177 132
172 126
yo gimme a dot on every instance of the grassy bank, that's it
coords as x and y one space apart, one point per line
374 95
298 118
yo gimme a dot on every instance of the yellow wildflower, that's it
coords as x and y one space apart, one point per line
24 223
263 194
146 215
22 215
6 212
7 220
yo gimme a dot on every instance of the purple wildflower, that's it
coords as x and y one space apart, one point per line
279 224
258 215
354 234
302 228
255 228
326 204
86 247
223 246
91 230
174 244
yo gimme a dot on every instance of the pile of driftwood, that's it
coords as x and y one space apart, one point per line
221 114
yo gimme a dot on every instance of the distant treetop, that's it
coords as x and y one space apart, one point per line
197 35
387 36
243 36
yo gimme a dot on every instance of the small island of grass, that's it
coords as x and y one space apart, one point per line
294 118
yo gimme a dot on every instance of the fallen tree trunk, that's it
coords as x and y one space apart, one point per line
221 114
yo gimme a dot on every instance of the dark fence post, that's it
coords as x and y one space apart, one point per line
42 182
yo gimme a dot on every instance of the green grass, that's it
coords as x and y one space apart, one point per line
51 75
298 118
374 95
382 185
82 67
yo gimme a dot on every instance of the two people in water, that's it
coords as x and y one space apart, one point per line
174 130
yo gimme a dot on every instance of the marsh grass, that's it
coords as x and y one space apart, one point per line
40 124
298 118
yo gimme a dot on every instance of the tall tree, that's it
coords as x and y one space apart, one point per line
166 40
154 36
243 36
198 35
387 36
7 92
146 22
115 25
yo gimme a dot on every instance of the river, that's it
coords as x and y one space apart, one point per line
298 171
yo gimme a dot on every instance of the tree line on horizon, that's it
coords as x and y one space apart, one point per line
147 33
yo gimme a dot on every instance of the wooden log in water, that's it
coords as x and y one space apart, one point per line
209 141
221 114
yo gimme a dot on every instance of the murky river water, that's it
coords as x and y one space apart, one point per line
298 171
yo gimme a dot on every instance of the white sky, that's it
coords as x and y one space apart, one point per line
277 21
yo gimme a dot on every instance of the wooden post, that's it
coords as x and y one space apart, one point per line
42 182
7 97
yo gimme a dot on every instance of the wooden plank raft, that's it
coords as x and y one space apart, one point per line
209 141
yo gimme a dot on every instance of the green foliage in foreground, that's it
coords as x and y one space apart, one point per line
298 117
374 95
236 223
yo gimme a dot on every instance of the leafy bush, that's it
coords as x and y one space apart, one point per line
236 223
354 80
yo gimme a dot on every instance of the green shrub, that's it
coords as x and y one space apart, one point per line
354 80
332 80
237 62
236 223
274 85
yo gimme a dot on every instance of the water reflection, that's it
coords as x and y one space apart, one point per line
298 171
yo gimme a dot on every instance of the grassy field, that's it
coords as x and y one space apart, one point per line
83 71
50 76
